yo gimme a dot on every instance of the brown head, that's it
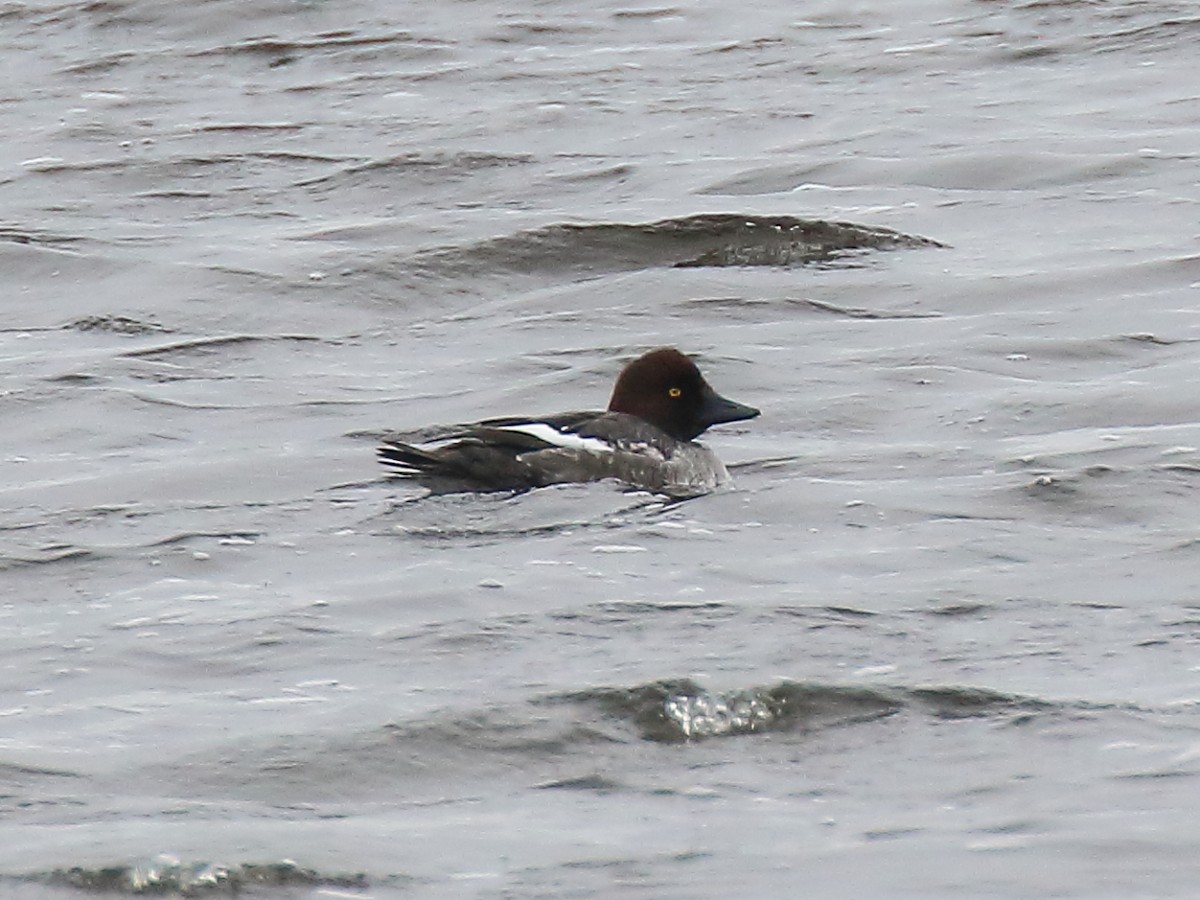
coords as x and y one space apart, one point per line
665 388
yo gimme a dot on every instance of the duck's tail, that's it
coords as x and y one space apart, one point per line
406 461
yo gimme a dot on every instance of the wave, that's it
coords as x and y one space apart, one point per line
168 875
675 711
711 239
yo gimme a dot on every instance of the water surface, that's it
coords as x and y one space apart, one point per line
940 640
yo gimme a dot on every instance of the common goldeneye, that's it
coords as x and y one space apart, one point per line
645 438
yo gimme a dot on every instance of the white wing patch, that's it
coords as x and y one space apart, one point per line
551 435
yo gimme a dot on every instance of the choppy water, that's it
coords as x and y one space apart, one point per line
941 640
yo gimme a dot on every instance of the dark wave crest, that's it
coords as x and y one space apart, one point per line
721 239
674 711
166 875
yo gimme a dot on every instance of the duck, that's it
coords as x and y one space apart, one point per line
645 439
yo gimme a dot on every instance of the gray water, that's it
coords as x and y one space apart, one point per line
940 640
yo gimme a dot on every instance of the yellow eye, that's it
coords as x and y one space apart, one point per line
674 393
